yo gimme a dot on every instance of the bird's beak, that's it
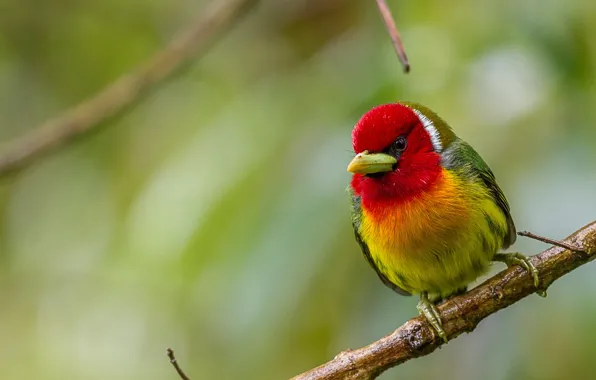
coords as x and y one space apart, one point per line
368 163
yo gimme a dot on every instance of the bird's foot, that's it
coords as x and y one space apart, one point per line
516 258
427 309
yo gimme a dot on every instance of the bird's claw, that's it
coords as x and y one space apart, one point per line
427 309
516 258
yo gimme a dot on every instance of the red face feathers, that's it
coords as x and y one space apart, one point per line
409 135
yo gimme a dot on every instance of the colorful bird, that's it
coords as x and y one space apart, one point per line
426 209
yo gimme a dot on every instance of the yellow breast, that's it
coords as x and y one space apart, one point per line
437 242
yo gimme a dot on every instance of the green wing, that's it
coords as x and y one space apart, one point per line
462 158
356 220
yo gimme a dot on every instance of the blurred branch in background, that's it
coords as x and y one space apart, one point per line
394 34
459 314
175 364
128 89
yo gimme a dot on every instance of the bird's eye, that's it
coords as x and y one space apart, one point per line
400 144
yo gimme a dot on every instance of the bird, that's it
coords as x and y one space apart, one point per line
426 209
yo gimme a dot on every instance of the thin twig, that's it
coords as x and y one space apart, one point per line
174 362
394 34
546 240
459 314
126 91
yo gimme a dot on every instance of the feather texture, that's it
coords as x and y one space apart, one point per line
442 233
438 242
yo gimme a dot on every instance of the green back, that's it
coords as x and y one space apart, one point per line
463 159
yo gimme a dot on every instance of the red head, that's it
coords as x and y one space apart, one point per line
398 149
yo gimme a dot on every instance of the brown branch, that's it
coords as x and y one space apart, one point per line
394 34
174 362
546 240
459 314
126 91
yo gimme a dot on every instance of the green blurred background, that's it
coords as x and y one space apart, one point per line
214 219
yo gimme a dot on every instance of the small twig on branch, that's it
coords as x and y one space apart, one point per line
546 240
459 314
128 89
394 34
174 362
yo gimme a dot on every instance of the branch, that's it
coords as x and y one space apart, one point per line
459 314
175 364
394 34
126 91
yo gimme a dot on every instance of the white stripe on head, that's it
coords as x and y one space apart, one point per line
430 128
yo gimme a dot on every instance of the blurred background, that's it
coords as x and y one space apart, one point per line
213 218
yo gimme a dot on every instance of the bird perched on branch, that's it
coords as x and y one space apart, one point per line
426 209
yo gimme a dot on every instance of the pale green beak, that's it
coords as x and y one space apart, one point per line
367 163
